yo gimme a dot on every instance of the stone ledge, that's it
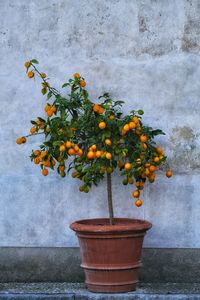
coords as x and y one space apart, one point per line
77 291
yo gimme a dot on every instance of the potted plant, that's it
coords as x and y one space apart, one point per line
96 139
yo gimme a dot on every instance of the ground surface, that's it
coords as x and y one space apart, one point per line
77 291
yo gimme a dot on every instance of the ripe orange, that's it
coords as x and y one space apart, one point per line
33 130
77 75
98 153
43 154
127 166
159 150
45 172
36 160
169 173
68 144
132 125
138 202
156 159
101 110
80 152
135 120
61 169
30 74
94 147
49 113
96 108
76 148
152 168
71 151
108 155
27 64
36 152
108 142
19 140
53 108
143 138
102 125
47 107
136 194
126 127
90 155
152 177
144 146
43 75
82 83
62 148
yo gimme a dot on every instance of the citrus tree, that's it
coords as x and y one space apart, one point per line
93 139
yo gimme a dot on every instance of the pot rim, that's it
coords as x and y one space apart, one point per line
102 225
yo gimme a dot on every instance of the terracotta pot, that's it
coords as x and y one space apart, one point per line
111 254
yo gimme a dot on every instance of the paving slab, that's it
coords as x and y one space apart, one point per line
77 291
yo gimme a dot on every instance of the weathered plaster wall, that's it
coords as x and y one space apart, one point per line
145 52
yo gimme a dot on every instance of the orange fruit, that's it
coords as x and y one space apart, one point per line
45 172
80 152
27 64
98 153
111 117
19 141
108 155
73 129
130 180
159 150
47 107
147 172
156 159
82 83
36 152
127 166
138 202
109 170
47 163
136 194
96 108
30 74
143 138
135 120
102 125
169 173
62 148
77 75
33 130
126 127
141 186
43 75
152 177
71 151
108 142
144 146
81 189
53 108
94 147
76 148
43 154
90 155
68 144
101 110
36 160
137 184
152 168
132 125
120 164
49 113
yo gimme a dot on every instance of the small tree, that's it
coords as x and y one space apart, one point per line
95 138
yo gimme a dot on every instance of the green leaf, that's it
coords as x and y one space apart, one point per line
33 122
140 112
49 95
65 84
34 61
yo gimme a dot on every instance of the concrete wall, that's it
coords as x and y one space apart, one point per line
145 52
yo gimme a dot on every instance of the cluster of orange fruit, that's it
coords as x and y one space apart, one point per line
98 109
81 82
71 149
50 109
41 157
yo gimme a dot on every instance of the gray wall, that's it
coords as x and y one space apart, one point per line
145 52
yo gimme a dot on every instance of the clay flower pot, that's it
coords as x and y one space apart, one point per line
111 254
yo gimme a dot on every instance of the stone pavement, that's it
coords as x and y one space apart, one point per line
77 291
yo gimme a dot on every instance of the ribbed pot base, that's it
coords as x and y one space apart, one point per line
111 254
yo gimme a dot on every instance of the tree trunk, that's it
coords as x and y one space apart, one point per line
110 204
